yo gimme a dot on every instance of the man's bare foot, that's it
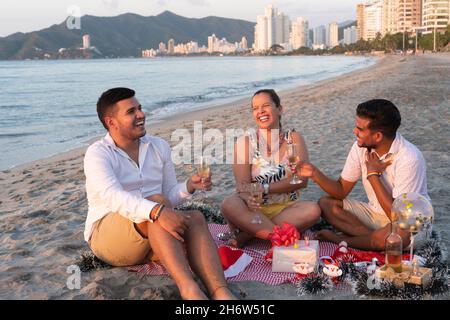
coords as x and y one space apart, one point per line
223 293
328 235
192 292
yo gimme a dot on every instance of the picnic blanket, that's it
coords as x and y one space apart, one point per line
258 270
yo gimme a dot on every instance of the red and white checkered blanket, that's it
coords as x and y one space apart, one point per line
259 269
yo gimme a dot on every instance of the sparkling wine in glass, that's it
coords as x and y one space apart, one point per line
256 192
203 170
294 159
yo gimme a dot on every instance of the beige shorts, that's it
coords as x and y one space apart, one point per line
371 219
374 220
116 241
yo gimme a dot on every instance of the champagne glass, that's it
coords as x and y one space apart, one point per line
203 170
294 159
256 192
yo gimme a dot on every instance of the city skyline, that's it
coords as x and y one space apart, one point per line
13 17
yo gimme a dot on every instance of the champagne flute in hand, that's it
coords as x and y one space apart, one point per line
294 159
203 171
256 192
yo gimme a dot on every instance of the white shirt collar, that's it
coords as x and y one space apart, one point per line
109 141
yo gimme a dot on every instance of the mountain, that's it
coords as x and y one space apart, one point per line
124 35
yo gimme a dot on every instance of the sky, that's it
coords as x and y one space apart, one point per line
32 15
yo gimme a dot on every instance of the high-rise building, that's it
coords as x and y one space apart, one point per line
212 43
162 47
373 20
333 35
320 35
360 19
409 15
271 28
171 46
390 16
86 41
350 35
435 15
299 35
244 43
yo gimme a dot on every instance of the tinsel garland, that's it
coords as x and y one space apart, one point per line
317 284
358 278
89 262
211 212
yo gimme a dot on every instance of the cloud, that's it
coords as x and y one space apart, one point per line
199 3
202 3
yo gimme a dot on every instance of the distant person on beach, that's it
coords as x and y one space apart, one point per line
132 189
262 158
389 166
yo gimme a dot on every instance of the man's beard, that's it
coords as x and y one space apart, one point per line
368 146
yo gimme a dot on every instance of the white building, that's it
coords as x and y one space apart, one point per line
271 28
373 20
435 15
244 43
333 35
151 53
162 47
86 41
350 35
300 34
212 43
319 36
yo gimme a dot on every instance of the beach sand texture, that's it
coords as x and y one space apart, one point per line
43 204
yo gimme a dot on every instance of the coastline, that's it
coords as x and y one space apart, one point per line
155 125
44 202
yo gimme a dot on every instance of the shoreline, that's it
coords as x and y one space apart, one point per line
44 205
200 113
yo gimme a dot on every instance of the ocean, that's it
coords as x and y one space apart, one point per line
49 107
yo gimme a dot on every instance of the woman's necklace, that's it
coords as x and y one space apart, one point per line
268 148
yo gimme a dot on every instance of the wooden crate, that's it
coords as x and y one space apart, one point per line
423 280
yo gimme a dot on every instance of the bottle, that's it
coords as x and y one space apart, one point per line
394 249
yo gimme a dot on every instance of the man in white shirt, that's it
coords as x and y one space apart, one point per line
132 188
389 166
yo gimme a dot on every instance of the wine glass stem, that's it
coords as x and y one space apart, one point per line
203 187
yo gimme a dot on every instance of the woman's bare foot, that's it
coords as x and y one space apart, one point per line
223 293
328 235
240 240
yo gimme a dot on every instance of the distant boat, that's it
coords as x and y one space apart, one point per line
221 55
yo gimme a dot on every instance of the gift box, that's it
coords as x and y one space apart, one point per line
302 253
423 278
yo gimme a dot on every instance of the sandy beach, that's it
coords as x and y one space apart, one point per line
43 204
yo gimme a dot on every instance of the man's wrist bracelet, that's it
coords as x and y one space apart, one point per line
156 212
370 174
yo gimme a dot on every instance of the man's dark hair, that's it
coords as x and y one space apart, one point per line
383 115
273 95
108 99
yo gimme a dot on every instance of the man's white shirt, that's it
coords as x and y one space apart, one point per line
115 183
407 173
